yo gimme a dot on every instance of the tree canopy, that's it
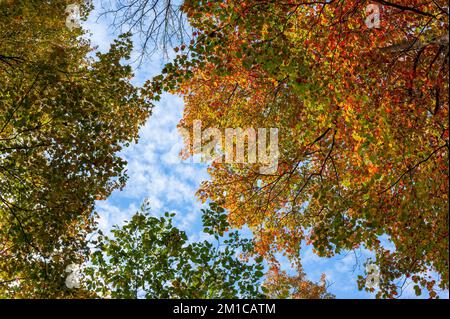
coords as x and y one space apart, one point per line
359 93
363 120
63 118
148 257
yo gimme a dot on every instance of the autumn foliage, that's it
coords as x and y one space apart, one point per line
362 115
63 118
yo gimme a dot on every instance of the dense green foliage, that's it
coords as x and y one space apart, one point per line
148 257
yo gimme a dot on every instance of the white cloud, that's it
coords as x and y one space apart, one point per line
168 184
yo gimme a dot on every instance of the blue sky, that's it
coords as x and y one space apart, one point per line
155 172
